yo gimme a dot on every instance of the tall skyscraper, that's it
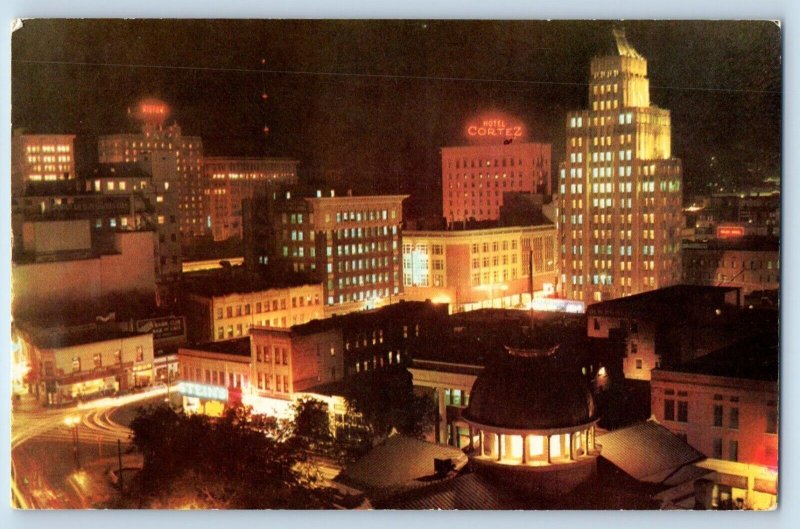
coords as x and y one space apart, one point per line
619 187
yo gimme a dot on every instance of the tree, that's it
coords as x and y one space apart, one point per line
312 422
239 461
386 400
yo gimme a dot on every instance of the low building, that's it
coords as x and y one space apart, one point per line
725 405
225 304
75 363
750 264
668 326
480 268
76 266
214 375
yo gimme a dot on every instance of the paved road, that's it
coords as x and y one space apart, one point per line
47 473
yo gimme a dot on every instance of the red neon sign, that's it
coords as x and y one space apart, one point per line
494 126
730 232
152 111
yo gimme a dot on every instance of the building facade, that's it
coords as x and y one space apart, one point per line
619 188
475 177
726 406
186 178
41 158
76 266
214 375
750 264
220 311
353 245
87 361
231 180
481 268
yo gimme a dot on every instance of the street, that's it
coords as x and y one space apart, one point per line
60 457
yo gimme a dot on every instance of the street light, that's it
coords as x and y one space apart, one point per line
73 421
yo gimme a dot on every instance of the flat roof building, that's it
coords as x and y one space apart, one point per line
229 181
480 268
41 158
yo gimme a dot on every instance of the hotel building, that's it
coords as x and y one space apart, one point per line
481 268
352 244
41 158
156 138
619 187
231 180
474 177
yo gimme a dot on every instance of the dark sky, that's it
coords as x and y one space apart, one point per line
720 80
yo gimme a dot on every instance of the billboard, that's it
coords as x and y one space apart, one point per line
166 327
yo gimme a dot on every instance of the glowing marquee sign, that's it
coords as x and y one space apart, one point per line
730 232
151 111
204 391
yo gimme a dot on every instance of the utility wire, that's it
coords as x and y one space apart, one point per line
369 75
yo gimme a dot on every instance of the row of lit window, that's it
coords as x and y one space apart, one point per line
47 148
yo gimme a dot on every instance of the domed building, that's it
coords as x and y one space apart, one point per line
532 417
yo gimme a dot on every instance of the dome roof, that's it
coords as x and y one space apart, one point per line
526 390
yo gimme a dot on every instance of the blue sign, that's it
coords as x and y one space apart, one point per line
204 391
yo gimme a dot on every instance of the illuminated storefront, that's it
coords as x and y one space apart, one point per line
204 398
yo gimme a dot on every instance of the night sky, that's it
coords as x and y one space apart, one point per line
376 100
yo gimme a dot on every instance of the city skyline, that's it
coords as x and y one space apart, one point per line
236 290
382 112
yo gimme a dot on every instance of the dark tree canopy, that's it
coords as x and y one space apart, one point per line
239 461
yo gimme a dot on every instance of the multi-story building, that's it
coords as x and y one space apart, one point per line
221 305
352 244
61 262
672 325
84 361
285 361
725 405
751 264
231 180
480 268
619 187
475 177
41 158
214 375
155 139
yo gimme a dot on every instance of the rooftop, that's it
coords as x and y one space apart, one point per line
647 451
357 319
234 347
116 170
753 358
399 463
60 338
741 244
663 301
235 280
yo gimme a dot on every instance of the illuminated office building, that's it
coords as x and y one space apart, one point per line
41 158
156 137
231 180
480 268
619 186
352 244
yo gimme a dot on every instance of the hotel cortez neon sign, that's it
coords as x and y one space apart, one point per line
497 128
